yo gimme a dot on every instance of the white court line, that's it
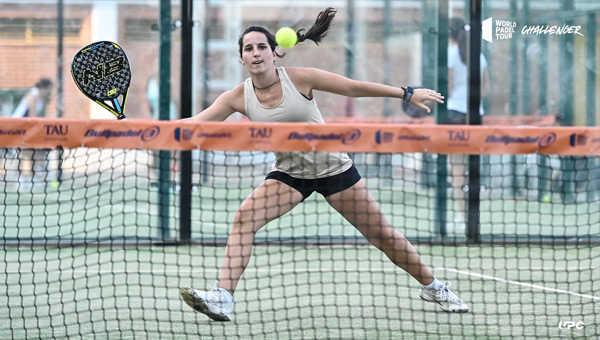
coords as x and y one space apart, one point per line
560 291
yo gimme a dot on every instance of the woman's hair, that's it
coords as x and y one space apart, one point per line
458 34
44 83
316 33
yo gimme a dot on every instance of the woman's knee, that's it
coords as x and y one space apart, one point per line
380 232
245 221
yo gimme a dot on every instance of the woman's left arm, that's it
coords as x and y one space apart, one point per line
330 82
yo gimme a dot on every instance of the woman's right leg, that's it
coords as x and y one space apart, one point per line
270 200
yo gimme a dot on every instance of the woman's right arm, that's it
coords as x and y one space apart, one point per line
226 104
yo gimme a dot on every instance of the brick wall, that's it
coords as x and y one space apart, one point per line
24 60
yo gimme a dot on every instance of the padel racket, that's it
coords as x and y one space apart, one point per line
101 71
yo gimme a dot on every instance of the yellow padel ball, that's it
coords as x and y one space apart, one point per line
286 37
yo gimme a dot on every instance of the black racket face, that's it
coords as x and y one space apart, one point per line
101 71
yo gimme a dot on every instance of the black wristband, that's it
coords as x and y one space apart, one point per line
408 92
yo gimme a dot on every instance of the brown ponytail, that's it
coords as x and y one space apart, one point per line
319 29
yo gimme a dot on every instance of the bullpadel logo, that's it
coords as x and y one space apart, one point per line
497 29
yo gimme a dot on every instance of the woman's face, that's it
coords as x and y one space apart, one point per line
256 53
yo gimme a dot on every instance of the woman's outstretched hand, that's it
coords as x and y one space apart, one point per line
420 96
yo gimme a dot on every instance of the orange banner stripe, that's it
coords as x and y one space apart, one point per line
385 138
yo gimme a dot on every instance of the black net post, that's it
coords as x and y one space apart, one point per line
164 114
566 74
185 198
474 118
441 196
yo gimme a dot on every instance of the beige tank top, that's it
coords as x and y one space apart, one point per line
295 107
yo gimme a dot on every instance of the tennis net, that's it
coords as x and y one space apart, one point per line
101 229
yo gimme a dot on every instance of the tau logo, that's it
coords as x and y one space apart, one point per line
571 325
261 132
459 136
56 129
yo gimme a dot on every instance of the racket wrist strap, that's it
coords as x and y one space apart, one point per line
408 92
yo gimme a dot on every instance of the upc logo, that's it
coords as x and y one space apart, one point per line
571 324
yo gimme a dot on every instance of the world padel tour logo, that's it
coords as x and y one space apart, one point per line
496 29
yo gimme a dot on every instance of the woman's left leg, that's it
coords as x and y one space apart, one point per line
358 207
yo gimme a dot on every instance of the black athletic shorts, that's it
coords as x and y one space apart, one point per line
326 186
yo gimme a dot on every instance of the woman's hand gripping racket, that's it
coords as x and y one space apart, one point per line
101 71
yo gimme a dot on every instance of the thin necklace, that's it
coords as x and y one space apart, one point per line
264 88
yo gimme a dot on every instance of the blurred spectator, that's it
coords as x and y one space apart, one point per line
457 111
34 102
34 161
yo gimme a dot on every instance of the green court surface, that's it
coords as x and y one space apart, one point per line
298 293
298 290
92 209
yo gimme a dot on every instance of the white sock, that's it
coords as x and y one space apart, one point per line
436 284
227 293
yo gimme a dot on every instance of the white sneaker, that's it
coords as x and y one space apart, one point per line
459 226
444 297
217 303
